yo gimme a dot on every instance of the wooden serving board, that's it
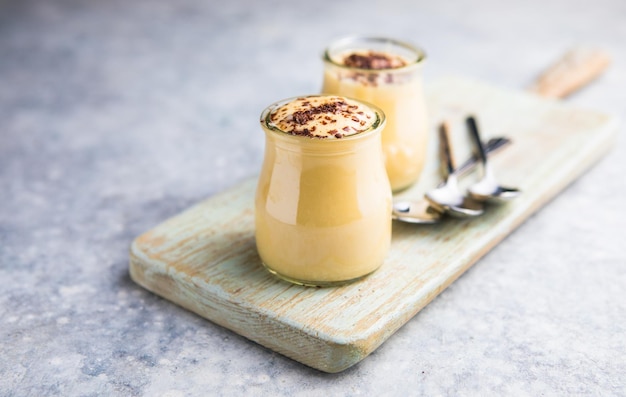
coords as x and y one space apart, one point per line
205 259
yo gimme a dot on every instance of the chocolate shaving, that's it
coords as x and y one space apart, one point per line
304 116
372 61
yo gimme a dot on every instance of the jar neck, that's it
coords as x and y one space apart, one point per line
414 56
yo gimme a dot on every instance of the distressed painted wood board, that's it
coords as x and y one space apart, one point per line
205 259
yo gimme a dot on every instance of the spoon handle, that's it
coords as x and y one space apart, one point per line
480 149
493 145
446 152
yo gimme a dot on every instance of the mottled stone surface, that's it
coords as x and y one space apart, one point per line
115 115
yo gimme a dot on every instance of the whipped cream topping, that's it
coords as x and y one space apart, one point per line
323 117
372 60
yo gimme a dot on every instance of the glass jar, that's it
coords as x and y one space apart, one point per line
396 89
322 206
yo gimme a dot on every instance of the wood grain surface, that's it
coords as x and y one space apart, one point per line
205 260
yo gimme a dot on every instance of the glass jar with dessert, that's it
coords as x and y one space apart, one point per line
387 73
323 200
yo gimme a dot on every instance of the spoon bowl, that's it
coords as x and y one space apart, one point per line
420 211
448 198
487 189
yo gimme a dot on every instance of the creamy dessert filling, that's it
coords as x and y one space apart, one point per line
323 117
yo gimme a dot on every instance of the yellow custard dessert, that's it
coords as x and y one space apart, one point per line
323 200
388 74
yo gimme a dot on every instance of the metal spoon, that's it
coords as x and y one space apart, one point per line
420 211
487 189
417 211
448 198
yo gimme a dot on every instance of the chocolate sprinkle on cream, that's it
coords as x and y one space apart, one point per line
372 60
322 117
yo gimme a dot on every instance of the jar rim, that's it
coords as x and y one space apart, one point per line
268 125
419 53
